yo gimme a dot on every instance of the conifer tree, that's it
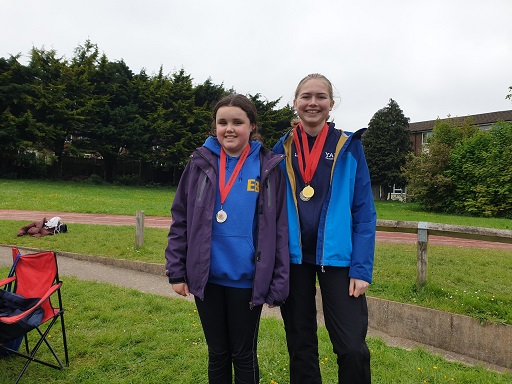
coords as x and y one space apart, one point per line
387 143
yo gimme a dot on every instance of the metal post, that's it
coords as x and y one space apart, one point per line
422 260
139 229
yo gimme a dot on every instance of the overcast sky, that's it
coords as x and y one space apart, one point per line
433 57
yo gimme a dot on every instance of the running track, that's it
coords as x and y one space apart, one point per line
164 222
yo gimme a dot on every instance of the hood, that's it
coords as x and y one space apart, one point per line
212 143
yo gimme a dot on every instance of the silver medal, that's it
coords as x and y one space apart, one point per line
221 216
302 197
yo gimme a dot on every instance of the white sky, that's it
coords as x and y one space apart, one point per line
433 57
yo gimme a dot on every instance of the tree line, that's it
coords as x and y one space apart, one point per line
54 109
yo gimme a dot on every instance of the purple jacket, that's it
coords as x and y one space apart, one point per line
189 240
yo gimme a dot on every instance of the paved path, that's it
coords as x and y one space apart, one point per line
164 222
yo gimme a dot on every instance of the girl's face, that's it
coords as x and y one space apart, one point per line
233 129
313 103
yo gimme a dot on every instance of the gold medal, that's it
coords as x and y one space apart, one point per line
308 192
221 216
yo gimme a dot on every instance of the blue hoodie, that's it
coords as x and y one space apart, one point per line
346 225
190 235
233 242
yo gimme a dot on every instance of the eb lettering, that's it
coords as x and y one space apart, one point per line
253 185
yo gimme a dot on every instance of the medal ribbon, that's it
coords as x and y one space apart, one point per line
311 158
225 188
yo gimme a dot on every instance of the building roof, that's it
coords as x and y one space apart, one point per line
481 119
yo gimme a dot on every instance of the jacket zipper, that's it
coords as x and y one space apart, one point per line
328 205
260 212
202 188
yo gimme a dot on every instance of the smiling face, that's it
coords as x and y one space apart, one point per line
313 102
233 129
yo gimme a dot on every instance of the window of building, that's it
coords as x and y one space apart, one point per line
425 136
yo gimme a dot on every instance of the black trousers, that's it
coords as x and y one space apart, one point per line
346 320
231 331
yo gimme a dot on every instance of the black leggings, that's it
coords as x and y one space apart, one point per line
346 320
231 331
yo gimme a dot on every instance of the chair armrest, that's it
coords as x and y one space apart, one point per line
14 319
7 280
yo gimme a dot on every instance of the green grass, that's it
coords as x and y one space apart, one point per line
393 210
468 281
59 196
110 241
473 282
145 338
70 196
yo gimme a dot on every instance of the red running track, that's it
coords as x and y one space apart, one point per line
164 222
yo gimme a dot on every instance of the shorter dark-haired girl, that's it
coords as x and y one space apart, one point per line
228 240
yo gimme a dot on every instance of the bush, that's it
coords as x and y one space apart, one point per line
96 179
28 165
127 180
481 169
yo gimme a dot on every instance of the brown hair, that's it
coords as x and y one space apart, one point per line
245 104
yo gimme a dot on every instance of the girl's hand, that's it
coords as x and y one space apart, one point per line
357 287
181 289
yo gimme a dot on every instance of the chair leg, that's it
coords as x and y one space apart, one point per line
42 339
64 339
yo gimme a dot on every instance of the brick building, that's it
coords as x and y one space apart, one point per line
423 129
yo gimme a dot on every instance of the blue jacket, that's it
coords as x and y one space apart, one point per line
189 240
346 232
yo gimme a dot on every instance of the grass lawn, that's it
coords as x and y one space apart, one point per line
70 196
59 196
118 335
473 282
145 338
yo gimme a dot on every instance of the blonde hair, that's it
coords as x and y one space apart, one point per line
316 76
312 76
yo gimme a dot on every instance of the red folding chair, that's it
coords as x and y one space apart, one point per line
35 277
